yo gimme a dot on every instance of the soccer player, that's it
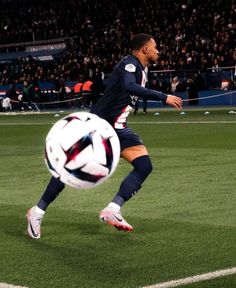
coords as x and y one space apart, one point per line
125 85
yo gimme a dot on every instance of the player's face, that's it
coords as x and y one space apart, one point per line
152 52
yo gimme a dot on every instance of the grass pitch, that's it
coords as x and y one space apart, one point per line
184 217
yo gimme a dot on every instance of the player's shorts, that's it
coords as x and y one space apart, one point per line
128 138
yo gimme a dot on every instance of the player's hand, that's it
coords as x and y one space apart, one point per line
174 101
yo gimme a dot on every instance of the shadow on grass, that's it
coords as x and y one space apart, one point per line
77 251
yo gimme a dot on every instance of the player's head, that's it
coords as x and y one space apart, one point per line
145 45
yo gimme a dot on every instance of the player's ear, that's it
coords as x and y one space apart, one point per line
145 49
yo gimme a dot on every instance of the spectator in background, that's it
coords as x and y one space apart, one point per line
154 84
6 104
98 86
12 93
61 90
174 84
193 30
215 66
136 107
28 95
199 81
192 89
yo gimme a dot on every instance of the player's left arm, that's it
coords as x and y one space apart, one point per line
130 85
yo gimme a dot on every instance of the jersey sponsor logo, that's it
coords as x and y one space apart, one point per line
130 67
134 99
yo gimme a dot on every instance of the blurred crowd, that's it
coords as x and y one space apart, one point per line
191 35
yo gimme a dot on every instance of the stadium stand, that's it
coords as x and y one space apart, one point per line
51 41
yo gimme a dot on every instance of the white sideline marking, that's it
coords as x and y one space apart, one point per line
5 285
131 122
195 279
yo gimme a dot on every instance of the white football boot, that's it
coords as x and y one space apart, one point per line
34 223
114 218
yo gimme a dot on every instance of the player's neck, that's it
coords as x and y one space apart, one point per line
142 59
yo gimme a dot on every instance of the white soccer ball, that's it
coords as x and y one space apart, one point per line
82 150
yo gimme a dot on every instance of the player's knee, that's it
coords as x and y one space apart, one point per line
147 165
143 165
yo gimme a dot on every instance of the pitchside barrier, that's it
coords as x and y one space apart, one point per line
50 98
205 98
80 100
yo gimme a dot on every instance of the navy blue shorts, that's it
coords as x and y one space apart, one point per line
128 138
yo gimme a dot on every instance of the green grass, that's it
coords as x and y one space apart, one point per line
184 217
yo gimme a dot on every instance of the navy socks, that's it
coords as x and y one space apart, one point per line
133 182
129 187
55 186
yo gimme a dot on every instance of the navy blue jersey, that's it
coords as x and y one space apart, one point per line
126 84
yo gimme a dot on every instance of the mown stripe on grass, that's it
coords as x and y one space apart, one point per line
25 123
195 279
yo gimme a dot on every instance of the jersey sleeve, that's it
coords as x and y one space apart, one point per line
130 85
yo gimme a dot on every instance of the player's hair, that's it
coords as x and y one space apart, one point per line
139 40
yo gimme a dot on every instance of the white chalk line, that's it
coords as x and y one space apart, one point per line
195 279
5 285
172 283
131 122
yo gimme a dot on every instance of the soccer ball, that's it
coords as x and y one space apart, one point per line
82 150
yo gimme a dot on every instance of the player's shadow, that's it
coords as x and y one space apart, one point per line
13 223
80 243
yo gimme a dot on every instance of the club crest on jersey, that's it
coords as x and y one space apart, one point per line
130 67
